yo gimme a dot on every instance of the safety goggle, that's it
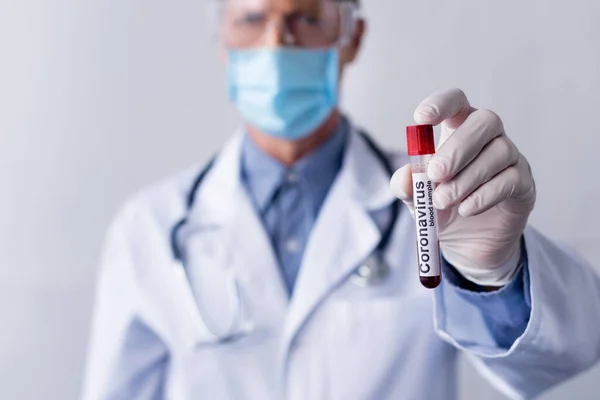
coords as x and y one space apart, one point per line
317 24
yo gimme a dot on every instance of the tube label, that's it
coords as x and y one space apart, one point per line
428 248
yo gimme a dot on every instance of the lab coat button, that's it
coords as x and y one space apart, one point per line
365 271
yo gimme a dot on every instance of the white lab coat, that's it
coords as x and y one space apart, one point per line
333 339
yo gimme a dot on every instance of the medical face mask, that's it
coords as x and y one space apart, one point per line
286 93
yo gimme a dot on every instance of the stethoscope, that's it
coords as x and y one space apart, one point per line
373 271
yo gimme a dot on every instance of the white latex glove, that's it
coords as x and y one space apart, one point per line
485 192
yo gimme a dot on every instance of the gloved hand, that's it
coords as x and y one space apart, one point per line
485 192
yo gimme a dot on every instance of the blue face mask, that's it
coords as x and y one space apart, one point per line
287 93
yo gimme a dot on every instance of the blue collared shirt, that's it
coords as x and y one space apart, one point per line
288 200
505 311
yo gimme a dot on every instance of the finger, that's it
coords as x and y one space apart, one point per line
464 145
401 186
498 155
448 106
501 187
523 198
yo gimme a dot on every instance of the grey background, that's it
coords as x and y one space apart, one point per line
101 97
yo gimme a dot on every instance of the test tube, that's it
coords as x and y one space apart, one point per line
421 147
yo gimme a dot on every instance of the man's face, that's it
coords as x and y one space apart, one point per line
310 24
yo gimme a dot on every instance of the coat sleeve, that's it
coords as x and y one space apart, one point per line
126 359
561 338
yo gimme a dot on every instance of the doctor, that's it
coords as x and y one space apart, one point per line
286 269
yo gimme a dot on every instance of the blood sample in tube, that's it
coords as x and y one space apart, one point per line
421 148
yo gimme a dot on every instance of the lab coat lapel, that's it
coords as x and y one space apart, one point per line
225 206
344 234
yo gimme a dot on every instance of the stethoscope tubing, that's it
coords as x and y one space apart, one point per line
177 252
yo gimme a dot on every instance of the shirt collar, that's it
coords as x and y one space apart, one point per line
263 175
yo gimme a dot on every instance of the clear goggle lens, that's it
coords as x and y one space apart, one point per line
320 24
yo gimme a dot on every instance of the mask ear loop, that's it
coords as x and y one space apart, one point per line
349 14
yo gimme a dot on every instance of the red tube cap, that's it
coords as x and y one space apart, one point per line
420 140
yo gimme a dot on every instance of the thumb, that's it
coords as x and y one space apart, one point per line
401 186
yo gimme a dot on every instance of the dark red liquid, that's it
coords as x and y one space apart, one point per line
431 282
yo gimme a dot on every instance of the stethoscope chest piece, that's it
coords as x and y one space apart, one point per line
372 272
